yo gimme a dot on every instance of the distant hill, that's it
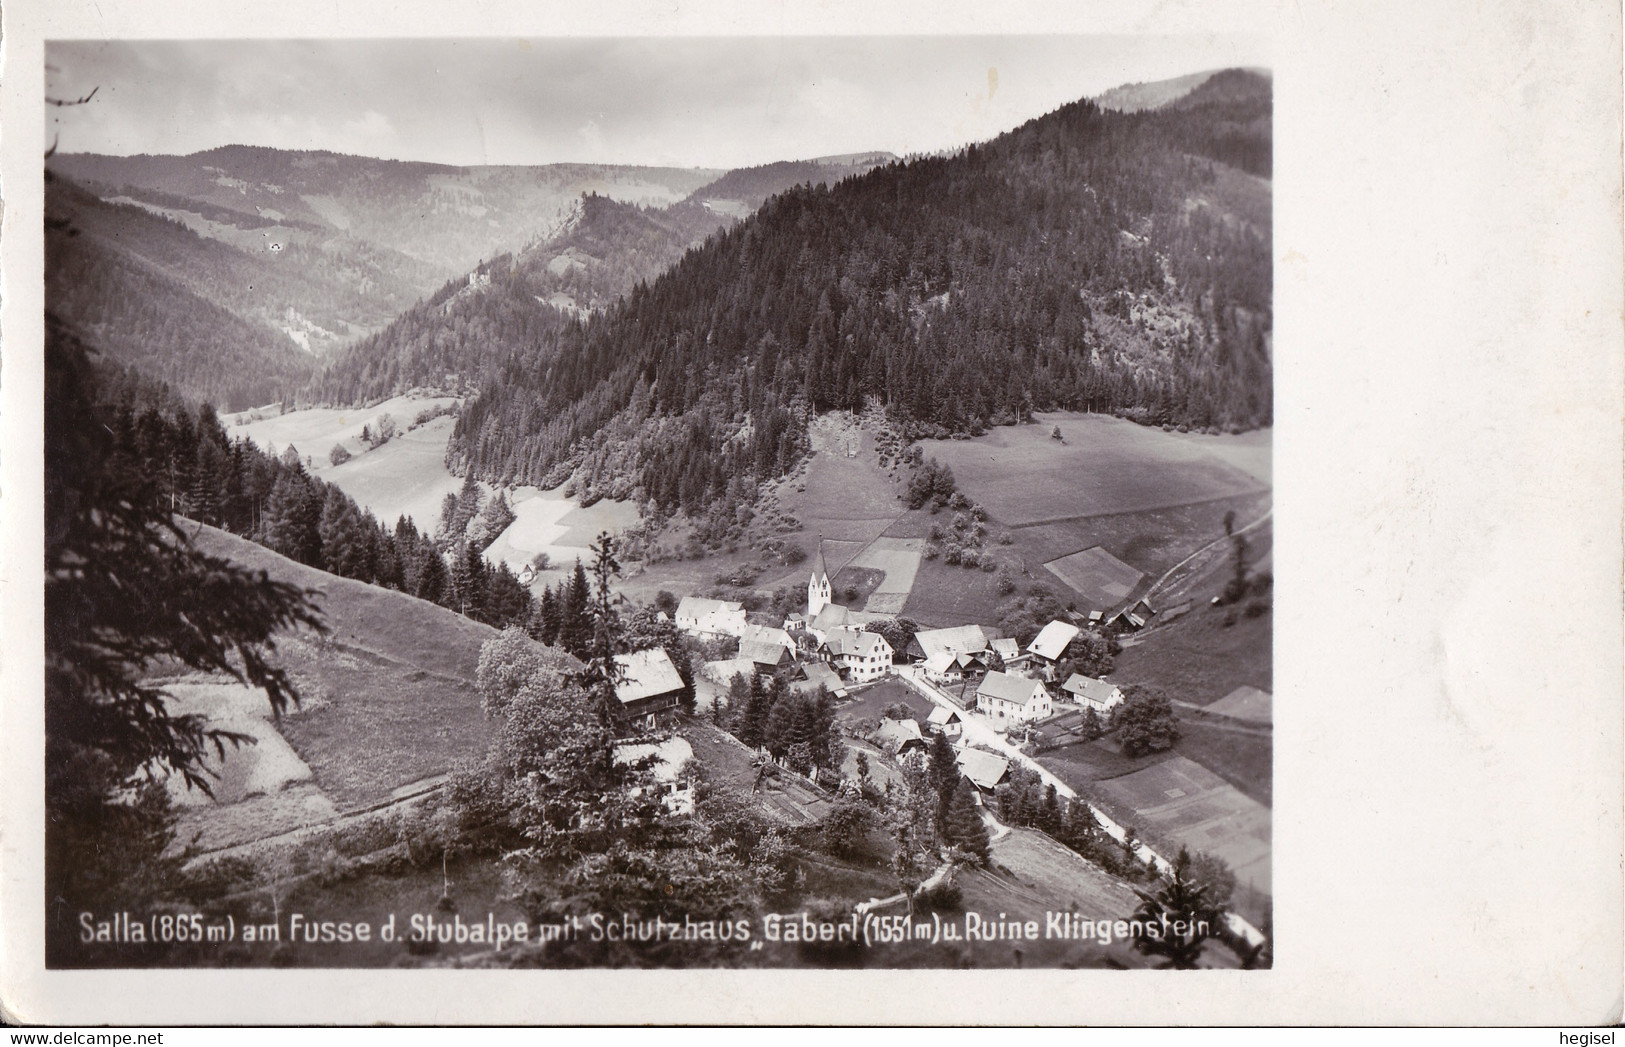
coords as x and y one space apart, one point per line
1136 97
1088 259
742 191
149 294
446 217
601 249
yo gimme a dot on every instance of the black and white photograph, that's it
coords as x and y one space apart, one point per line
659 503
854 513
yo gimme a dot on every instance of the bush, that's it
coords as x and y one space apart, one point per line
944 897
338 455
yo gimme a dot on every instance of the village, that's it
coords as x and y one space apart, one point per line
989 698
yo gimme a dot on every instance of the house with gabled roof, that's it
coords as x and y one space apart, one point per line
669 768
1009 652
987 771
767 657
947 667
900 736
707 618
944 720
819 675
1008 698
1091 693
960 639
1050 643
766 634
859 656
650 686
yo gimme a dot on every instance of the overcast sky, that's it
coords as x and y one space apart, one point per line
690 102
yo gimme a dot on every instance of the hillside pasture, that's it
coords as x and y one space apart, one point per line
405 477
843 497
389 693
1198 659
1182 801
1102 465
314 430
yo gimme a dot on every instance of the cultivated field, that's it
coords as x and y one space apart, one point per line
871 702
1181 800
897 559
1104 465
546 521
257 788
1100 578
1244 703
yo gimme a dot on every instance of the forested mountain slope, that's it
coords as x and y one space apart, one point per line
152 295
514 305
1086 259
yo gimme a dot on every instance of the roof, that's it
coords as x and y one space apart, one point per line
724 671
856 643
1052 639
670 756
941 715
1006 647
700 606
957 640
819 674
831 616
1090 688
763 653
766 634
1017 689
985 770
647 674
899 731
941 662
818 561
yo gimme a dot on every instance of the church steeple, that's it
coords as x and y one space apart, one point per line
818 593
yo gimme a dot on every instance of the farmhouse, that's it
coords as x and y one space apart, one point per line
944 720
961 639
819 675
766 657
1016 698
900 736
1050 643
1010 653
946 667
766 634
710 618
857 655
650 686
669 767
1092 693
985 770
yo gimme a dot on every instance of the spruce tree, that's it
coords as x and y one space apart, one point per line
963 826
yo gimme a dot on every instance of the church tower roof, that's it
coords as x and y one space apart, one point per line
818 569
